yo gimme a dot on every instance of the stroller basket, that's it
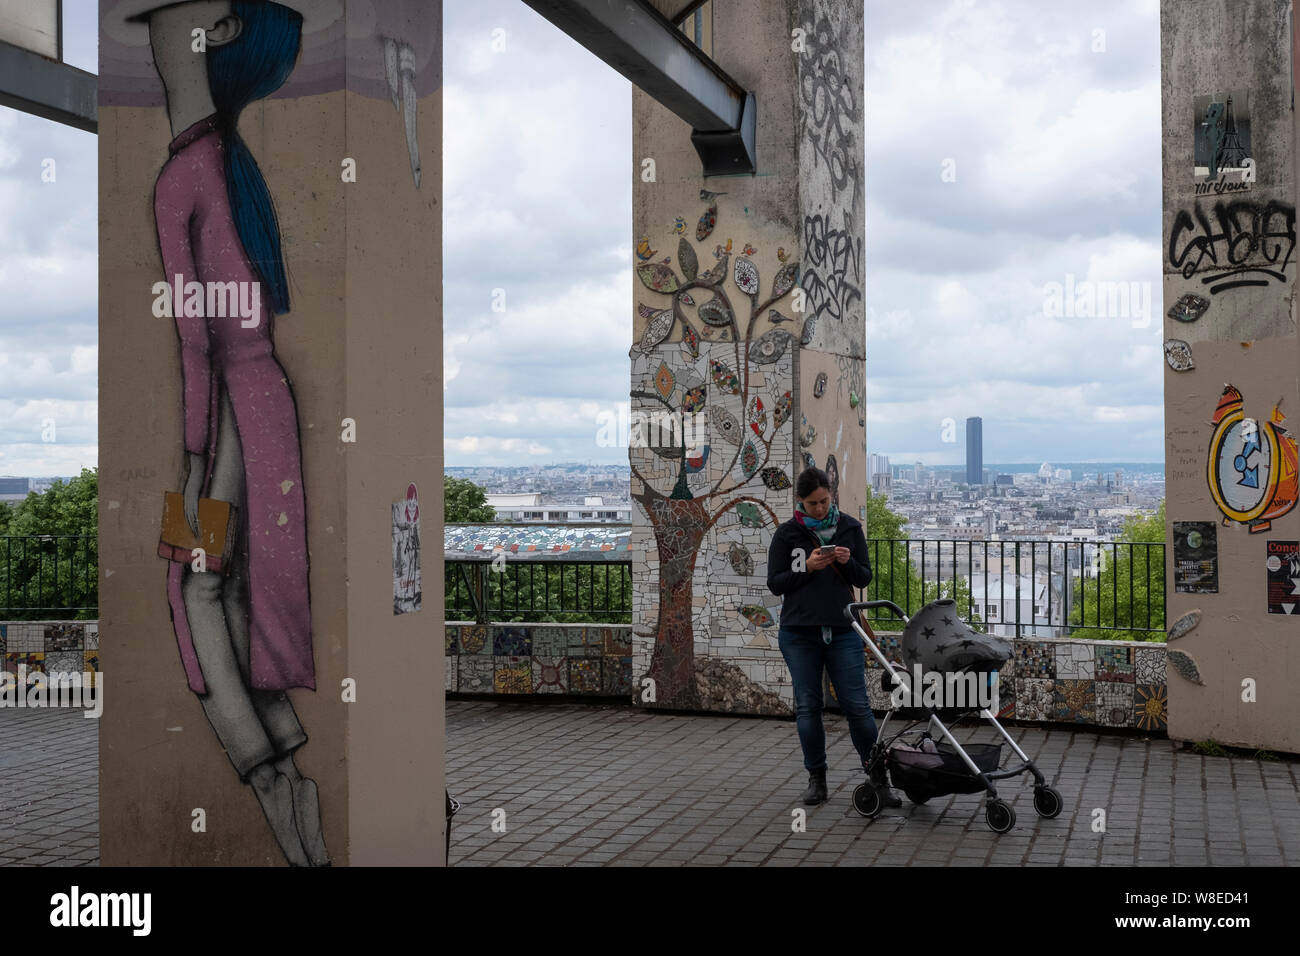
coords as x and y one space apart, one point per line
923 775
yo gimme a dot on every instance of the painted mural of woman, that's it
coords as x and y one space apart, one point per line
244 632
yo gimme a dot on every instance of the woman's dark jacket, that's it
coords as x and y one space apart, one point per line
817 597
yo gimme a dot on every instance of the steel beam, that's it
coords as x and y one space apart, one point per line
644 46
56 91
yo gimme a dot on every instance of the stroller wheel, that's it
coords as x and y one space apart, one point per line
866 800
1047 802
999 816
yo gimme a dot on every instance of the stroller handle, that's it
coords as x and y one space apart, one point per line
852 610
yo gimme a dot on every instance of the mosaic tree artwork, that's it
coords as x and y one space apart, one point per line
712 406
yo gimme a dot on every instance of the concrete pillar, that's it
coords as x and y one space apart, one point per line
1231 401
339 434
777 390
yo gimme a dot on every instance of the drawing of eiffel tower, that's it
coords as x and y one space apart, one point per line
1231 154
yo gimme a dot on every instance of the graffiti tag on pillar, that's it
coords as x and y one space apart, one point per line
1244 243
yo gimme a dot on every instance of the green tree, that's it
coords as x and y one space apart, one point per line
464 501
1136 564
48 555
894 577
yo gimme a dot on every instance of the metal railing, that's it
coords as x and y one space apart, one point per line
1079 588
49 576
562 592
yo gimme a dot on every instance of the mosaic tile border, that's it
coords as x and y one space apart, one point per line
552 659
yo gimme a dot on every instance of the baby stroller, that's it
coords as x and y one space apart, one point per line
937 642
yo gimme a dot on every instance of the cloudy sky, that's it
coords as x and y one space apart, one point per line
1010 146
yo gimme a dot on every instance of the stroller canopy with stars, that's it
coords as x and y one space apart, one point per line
937 639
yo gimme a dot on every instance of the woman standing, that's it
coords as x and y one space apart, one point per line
244 632
815 561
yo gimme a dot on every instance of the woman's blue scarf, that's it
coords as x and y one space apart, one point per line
825 528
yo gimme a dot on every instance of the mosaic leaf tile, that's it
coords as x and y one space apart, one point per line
451 638
1184 665
746 276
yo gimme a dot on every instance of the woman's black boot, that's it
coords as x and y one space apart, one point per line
816 792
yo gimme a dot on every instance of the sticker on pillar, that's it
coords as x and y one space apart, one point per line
406 553
1252 465
1178 355
1222 148
833 473
1189 308
1196 557
1283 566
241 438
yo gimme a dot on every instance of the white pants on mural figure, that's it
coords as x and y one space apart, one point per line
258 728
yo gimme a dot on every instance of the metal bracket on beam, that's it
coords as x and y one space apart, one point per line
31 83
641 44
729 151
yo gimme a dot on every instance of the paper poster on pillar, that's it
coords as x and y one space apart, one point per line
1283 567
406 553
1196 557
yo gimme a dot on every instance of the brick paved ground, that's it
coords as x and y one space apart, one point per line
49 788
590 785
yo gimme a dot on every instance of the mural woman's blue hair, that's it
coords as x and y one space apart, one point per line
254 65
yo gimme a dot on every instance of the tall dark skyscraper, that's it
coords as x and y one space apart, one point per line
974 451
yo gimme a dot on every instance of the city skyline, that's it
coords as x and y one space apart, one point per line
969 226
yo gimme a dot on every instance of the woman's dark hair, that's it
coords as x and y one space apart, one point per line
810 480
254 65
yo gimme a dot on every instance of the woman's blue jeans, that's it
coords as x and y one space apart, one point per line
807 655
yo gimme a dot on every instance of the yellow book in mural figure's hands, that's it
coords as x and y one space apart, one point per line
216 531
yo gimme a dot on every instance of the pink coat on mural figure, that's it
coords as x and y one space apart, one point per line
199 242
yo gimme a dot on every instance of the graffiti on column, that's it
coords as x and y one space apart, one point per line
242 618
829 114
1239 243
